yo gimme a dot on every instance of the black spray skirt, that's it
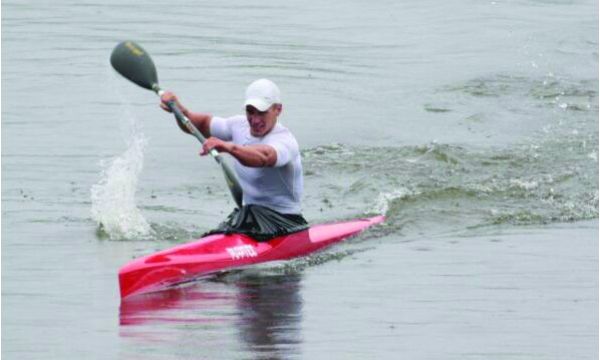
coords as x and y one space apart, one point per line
260 223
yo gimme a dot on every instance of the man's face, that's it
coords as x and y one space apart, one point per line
261 122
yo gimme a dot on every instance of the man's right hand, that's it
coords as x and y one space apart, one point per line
200 120
166 98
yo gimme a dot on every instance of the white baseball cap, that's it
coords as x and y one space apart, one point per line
262 94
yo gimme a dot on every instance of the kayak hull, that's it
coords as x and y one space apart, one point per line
220 252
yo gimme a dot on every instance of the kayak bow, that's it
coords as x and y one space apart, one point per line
220 252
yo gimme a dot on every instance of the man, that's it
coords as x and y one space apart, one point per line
268 163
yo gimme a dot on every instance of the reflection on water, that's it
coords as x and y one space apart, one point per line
263 308
270 308
170 306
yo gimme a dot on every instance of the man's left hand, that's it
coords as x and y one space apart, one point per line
217 144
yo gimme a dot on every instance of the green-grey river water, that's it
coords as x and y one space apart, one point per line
472 125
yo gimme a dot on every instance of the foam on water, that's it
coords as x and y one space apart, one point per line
113 197
383 201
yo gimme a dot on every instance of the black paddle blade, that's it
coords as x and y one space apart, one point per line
134 63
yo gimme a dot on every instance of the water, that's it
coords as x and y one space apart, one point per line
472 125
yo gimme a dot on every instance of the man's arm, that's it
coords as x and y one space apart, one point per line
200 120
248 155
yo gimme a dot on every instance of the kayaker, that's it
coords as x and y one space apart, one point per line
268 165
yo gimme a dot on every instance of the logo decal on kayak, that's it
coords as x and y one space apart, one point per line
240 252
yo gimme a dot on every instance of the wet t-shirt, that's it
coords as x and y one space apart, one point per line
278 187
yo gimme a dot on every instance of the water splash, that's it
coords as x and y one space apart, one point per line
113 197
382 204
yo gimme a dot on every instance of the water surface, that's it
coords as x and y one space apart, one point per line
473 126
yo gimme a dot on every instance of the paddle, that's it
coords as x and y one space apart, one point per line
134 63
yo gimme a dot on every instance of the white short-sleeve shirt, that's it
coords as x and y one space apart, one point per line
279 187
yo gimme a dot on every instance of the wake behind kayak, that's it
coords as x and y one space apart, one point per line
220 252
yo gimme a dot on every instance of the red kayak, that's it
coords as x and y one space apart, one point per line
220 252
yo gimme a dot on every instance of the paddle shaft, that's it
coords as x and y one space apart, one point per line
135 64
230 177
